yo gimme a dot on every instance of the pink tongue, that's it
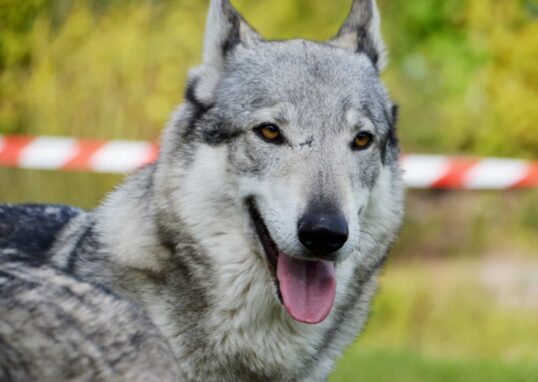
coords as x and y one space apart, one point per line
308 288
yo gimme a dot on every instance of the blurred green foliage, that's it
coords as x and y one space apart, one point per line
464 71
457 224
390 366
448 321
460 309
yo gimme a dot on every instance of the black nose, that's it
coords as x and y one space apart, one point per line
323 232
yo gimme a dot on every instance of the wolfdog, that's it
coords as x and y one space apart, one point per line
254 242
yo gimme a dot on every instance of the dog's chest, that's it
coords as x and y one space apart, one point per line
255 350
248 335
226 323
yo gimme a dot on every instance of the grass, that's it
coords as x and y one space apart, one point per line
404 366
451 320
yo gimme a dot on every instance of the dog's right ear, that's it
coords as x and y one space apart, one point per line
225 30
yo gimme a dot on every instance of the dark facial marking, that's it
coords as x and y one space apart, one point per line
390 140
220 135
199 108
308 142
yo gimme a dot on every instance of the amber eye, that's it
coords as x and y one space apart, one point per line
363 140
269 133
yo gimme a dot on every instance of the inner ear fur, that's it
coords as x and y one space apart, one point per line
361 32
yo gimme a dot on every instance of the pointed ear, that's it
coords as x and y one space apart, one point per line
225 29
361 32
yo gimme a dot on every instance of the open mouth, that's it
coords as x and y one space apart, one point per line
307 288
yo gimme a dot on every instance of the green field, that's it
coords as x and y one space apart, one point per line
386 366
449 321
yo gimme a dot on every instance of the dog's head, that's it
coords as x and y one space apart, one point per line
299 137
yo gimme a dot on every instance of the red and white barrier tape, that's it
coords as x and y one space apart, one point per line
431 171
421 171
57 153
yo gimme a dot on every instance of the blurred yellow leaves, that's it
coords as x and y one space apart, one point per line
112 76
510 80
465 72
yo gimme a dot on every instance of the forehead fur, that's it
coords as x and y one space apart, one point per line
316 78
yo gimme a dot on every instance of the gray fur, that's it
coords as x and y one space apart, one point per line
177 238
54 327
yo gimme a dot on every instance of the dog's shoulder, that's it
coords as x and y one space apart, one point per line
29 230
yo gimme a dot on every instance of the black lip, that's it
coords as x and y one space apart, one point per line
269 246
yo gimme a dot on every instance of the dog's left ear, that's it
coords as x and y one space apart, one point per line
361 32
225 30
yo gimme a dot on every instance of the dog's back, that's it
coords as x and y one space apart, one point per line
55 327
30 230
